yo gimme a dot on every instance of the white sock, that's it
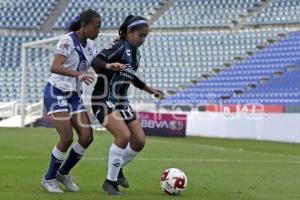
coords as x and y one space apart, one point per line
78 148
115 159
58 154
129 155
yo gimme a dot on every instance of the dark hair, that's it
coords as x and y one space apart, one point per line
85 17
128 20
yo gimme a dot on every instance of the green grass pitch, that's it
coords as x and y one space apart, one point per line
217 169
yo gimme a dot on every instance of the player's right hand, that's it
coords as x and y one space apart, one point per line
114 66
87 77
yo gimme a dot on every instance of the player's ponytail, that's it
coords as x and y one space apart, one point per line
84 18
131 22
73 25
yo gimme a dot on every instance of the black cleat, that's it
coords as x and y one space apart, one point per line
122 180
111 187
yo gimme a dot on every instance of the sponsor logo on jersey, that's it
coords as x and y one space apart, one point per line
64 45
126 75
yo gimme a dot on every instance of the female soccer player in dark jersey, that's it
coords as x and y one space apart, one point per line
74 53
116 67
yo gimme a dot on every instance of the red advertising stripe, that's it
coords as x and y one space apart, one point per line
248 108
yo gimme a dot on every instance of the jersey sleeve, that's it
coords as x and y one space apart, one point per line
112 52
64 47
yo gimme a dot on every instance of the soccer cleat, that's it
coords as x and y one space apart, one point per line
122 180
51 185
67 181
111 187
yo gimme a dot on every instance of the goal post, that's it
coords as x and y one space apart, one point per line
25 65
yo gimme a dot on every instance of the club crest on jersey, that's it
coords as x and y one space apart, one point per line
128 52
89 51
83 65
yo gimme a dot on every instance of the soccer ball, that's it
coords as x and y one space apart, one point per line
173 181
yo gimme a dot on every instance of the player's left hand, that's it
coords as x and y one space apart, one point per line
157 93
87 77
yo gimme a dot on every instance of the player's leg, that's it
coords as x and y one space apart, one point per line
56 105
136 144
82 125
118 128
114 123
62 123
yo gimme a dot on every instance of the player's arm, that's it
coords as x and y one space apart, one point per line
99 65
58 68
105 60
141 85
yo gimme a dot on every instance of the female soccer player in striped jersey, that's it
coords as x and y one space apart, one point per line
116 66
74 53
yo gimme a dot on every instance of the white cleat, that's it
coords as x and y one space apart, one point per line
68 182
51 186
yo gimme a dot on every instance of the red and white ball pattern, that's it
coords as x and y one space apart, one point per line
173 181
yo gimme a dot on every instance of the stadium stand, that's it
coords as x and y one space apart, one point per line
280 11
27 14
206 13
245 82
112 11
10 62
170 59
281 65
175 58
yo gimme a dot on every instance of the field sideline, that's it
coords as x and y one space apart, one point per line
217 169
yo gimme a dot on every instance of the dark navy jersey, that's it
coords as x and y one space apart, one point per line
112 86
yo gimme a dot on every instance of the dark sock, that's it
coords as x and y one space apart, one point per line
70 162
53 167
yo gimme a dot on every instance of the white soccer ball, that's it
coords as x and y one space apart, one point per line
173 181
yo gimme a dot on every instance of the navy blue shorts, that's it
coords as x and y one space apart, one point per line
56 100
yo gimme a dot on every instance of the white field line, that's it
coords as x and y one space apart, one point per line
192 145
165 159
226 149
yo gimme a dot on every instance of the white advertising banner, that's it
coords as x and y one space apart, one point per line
261 126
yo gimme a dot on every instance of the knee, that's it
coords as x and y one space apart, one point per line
67 141
138 144
87 138
123 139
